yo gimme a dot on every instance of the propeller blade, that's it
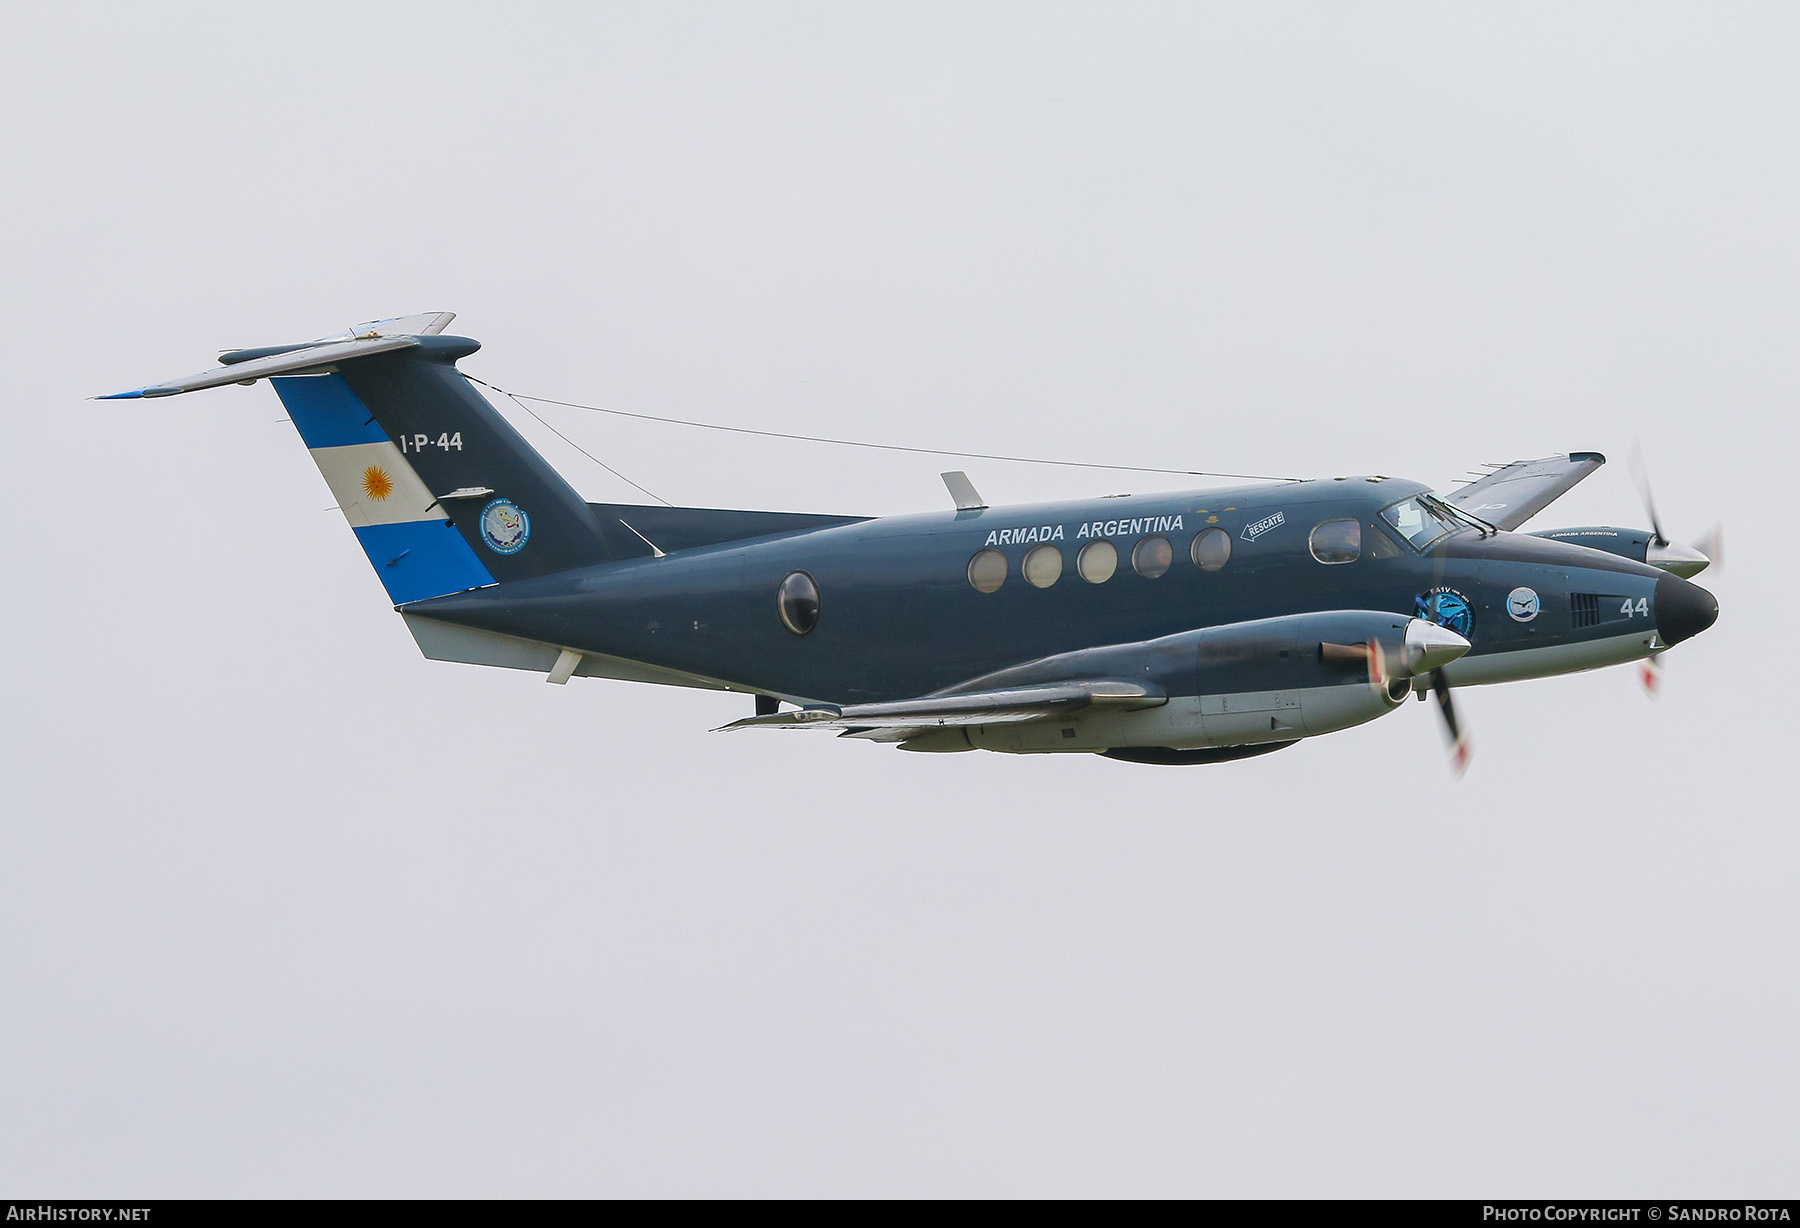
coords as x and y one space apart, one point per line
1713 547
1459 745
1368 654
1641 475
1425 648
1684 561
1378 670
1650 673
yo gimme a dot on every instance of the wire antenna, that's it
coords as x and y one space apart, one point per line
520 397
534 413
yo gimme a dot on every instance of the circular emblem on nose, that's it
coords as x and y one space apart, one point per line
505 527
1447 608
1523 604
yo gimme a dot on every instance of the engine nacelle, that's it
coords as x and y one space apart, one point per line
1244 684
1638 545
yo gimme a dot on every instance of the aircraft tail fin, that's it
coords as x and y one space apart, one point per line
442 493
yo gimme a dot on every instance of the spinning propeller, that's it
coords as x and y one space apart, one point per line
1678 560
1460 750
1427 648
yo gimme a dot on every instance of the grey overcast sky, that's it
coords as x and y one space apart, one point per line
287 910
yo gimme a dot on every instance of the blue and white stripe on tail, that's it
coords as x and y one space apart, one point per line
404 528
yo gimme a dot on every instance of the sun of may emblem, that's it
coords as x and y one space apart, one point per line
376 483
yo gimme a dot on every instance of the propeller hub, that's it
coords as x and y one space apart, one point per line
1430 647
1683 561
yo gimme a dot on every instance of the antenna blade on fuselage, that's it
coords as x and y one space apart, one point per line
963 491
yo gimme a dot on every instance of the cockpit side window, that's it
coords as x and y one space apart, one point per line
1378 545
1418 522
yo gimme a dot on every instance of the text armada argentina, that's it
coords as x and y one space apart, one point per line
1130 527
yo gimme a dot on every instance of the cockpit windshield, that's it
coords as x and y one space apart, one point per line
1419 522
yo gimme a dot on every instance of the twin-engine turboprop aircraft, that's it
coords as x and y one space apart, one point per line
1187 627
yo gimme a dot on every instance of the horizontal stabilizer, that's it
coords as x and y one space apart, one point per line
1513 494
1008 705
305 360
312 357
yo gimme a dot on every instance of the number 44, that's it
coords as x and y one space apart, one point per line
1641 606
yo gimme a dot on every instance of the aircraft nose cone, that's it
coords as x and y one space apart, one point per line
1683 610
1429 646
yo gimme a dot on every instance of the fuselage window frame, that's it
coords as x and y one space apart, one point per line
1042 566
797 601
1097 561
1342 541
1152 556
1207 558
983 576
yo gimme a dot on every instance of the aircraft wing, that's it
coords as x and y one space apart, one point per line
1006 705
1513 494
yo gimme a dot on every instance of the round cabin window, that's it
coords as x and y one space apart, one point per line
1042 566
1151 557
1211 549
1097 562
798 601
987 571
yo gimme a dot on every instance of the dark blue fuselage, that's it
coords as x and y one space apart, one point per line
898 615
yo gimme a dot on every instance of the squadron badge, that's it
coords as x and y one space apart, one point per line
505 527
1447 608
1523 604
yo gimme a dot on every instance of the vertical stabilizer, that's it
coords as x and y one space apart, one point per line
442 493
516 512
400 524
